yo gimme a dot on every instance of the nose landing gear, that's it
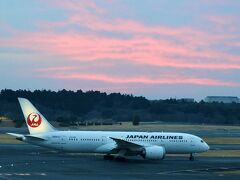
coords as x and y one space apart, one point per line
191 158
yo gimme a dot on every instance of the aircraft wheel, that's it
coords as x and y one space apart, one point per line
121 159
191 158
108 157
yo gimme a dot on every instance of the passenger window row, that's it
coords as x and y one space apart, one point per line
178 140
75 139
153 140
142 140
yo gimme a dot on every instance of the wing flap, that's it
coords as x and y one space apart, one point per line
122 144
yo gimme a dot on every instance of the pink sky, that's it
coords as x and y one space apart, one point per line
77 44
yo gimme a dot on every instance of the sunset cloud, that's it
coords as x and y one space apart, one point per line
96 42
142 50
140 79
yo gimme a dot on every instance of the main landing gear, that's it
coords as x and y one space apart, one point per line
120 159
108 157
112 157
191 158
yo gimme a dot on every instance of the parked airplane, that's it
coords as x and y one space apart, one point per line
149 145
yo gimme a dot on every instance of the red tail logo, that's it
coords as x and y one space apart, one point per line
34 120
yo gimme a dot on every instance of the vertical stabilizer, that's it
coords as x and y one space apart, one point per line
35 121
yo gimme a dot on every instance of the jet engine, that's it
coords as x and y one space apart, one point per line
154 152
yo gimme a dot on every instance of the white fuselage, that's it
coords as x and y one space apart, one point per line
149 145
102 142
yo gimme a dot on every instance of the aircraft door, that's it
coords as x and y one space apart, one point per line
104 139
192 142
63 140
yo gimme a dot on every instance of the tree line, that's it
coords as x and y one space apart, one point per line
71 107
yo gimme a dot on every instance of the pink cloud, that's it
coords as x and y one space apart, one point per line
141 50
172 79
221 20
57 68
83 6
157 46
178 47
190 39
187 36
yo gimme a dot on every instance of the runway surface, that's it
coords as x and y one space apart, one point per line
31 162
224 146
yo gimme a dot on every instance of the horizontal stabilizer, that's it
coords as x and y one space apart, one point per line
16 135
22 137
19 137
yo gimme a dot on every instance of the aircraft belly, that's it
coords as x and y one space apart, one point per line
178 149
105 148
80 147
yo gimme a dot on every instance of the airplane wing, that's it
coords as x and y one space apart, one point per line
130 148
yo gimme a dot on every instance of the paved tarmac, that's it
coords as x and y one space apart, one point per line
224 146
32 162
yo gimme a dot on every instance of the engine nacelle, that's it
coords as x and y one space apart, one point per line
154 152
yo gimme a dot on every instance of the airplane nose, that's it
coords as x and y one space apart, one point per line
207 147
